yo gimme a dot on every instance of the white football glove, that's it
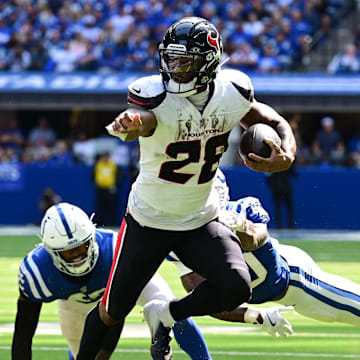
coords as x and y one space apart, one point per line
272 320
232 219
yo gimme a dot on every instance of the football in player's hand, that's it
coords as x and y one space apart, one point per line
252 140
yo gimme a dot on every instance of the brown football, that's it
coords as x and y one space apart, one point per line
252 140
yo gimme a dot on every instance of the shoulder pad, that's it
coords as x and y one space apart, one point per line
106 238
240 81
147 92
31 279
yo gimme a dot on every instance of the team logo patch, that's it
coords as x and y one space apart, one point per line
213 41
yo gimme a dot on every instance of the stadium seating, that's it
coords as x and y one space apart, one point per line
106 36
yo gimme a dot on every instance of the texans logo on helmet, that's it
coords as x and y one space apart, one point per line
213 41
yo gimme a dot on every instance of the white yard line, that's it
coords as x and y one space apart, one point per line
141 331
227 353
132 330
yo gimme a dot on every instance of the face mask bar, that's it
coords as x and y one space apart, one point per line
80 267
179 66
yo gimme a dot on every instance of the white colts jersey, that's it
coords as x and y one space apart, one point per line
178 161
317 294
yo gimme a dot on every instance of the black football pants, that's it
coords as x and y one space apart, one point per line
212 251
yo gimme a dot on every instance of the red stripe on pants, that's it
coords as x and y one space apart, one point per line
121 235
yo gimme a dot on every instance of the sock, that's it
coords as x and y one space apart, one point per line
94 333
165 315
190 339
70 355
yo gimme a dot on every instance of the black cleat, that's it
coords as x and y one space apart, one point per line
160 348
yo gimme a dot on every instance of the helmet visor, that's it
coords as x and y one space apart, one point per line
181 67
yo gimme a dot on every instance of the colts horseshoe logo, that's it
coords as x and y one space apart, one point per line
213 41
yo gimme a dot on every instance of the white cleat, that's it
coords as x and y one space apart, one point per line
160 348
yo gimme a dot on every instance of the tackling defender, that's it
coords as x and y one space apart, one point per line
280 273
72 266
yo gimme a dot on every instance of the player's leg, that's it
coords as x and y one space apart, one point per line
139 252
72 318
186 332
189 337
70 355
317 294
109 343
213 252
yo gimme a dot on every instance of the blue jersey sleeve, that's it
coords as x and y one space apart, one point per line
251 208
33 275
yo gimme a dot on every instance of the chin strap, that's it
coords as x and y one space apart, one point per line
224 62
178 89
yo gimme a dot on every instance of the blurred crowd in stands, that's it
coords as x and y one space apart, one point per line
122 35
42 145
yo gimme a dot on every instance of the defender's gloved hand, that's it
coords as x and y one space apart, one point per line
270 320
232 219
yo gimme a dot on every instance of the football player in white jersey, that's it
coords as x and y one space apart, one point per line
280 273
183 118
72 266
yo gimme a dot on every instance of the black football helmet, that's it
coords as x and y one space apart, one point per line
190 55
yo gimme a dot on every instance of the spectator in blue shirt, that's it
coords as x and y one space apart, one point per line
268 61
12 137
328 139
345 63
42 133
62 156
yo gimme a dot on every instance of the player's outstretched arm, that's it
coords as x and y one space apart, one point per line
26 321
269 319
132 123
281 157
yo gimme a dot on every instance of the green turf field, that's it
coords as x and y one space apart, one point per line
312 339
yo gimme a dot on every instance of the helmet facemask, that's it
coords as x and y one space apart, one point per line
78 267
67 228
184 71
190 55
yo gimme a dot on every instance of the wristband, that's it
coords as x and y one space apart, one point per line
251 315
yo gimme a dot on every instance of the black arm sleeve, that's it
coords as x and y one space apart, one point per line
27 318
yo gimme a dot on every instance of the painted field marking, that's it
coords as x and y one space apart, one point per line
227 353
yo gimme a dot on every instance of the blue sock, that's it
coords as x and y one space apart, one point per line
70 355
189 338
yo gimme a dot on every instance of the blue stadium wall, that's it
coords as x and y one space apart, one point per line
323 198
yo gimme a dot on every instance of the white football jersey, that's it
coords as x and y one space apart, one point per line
178 161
